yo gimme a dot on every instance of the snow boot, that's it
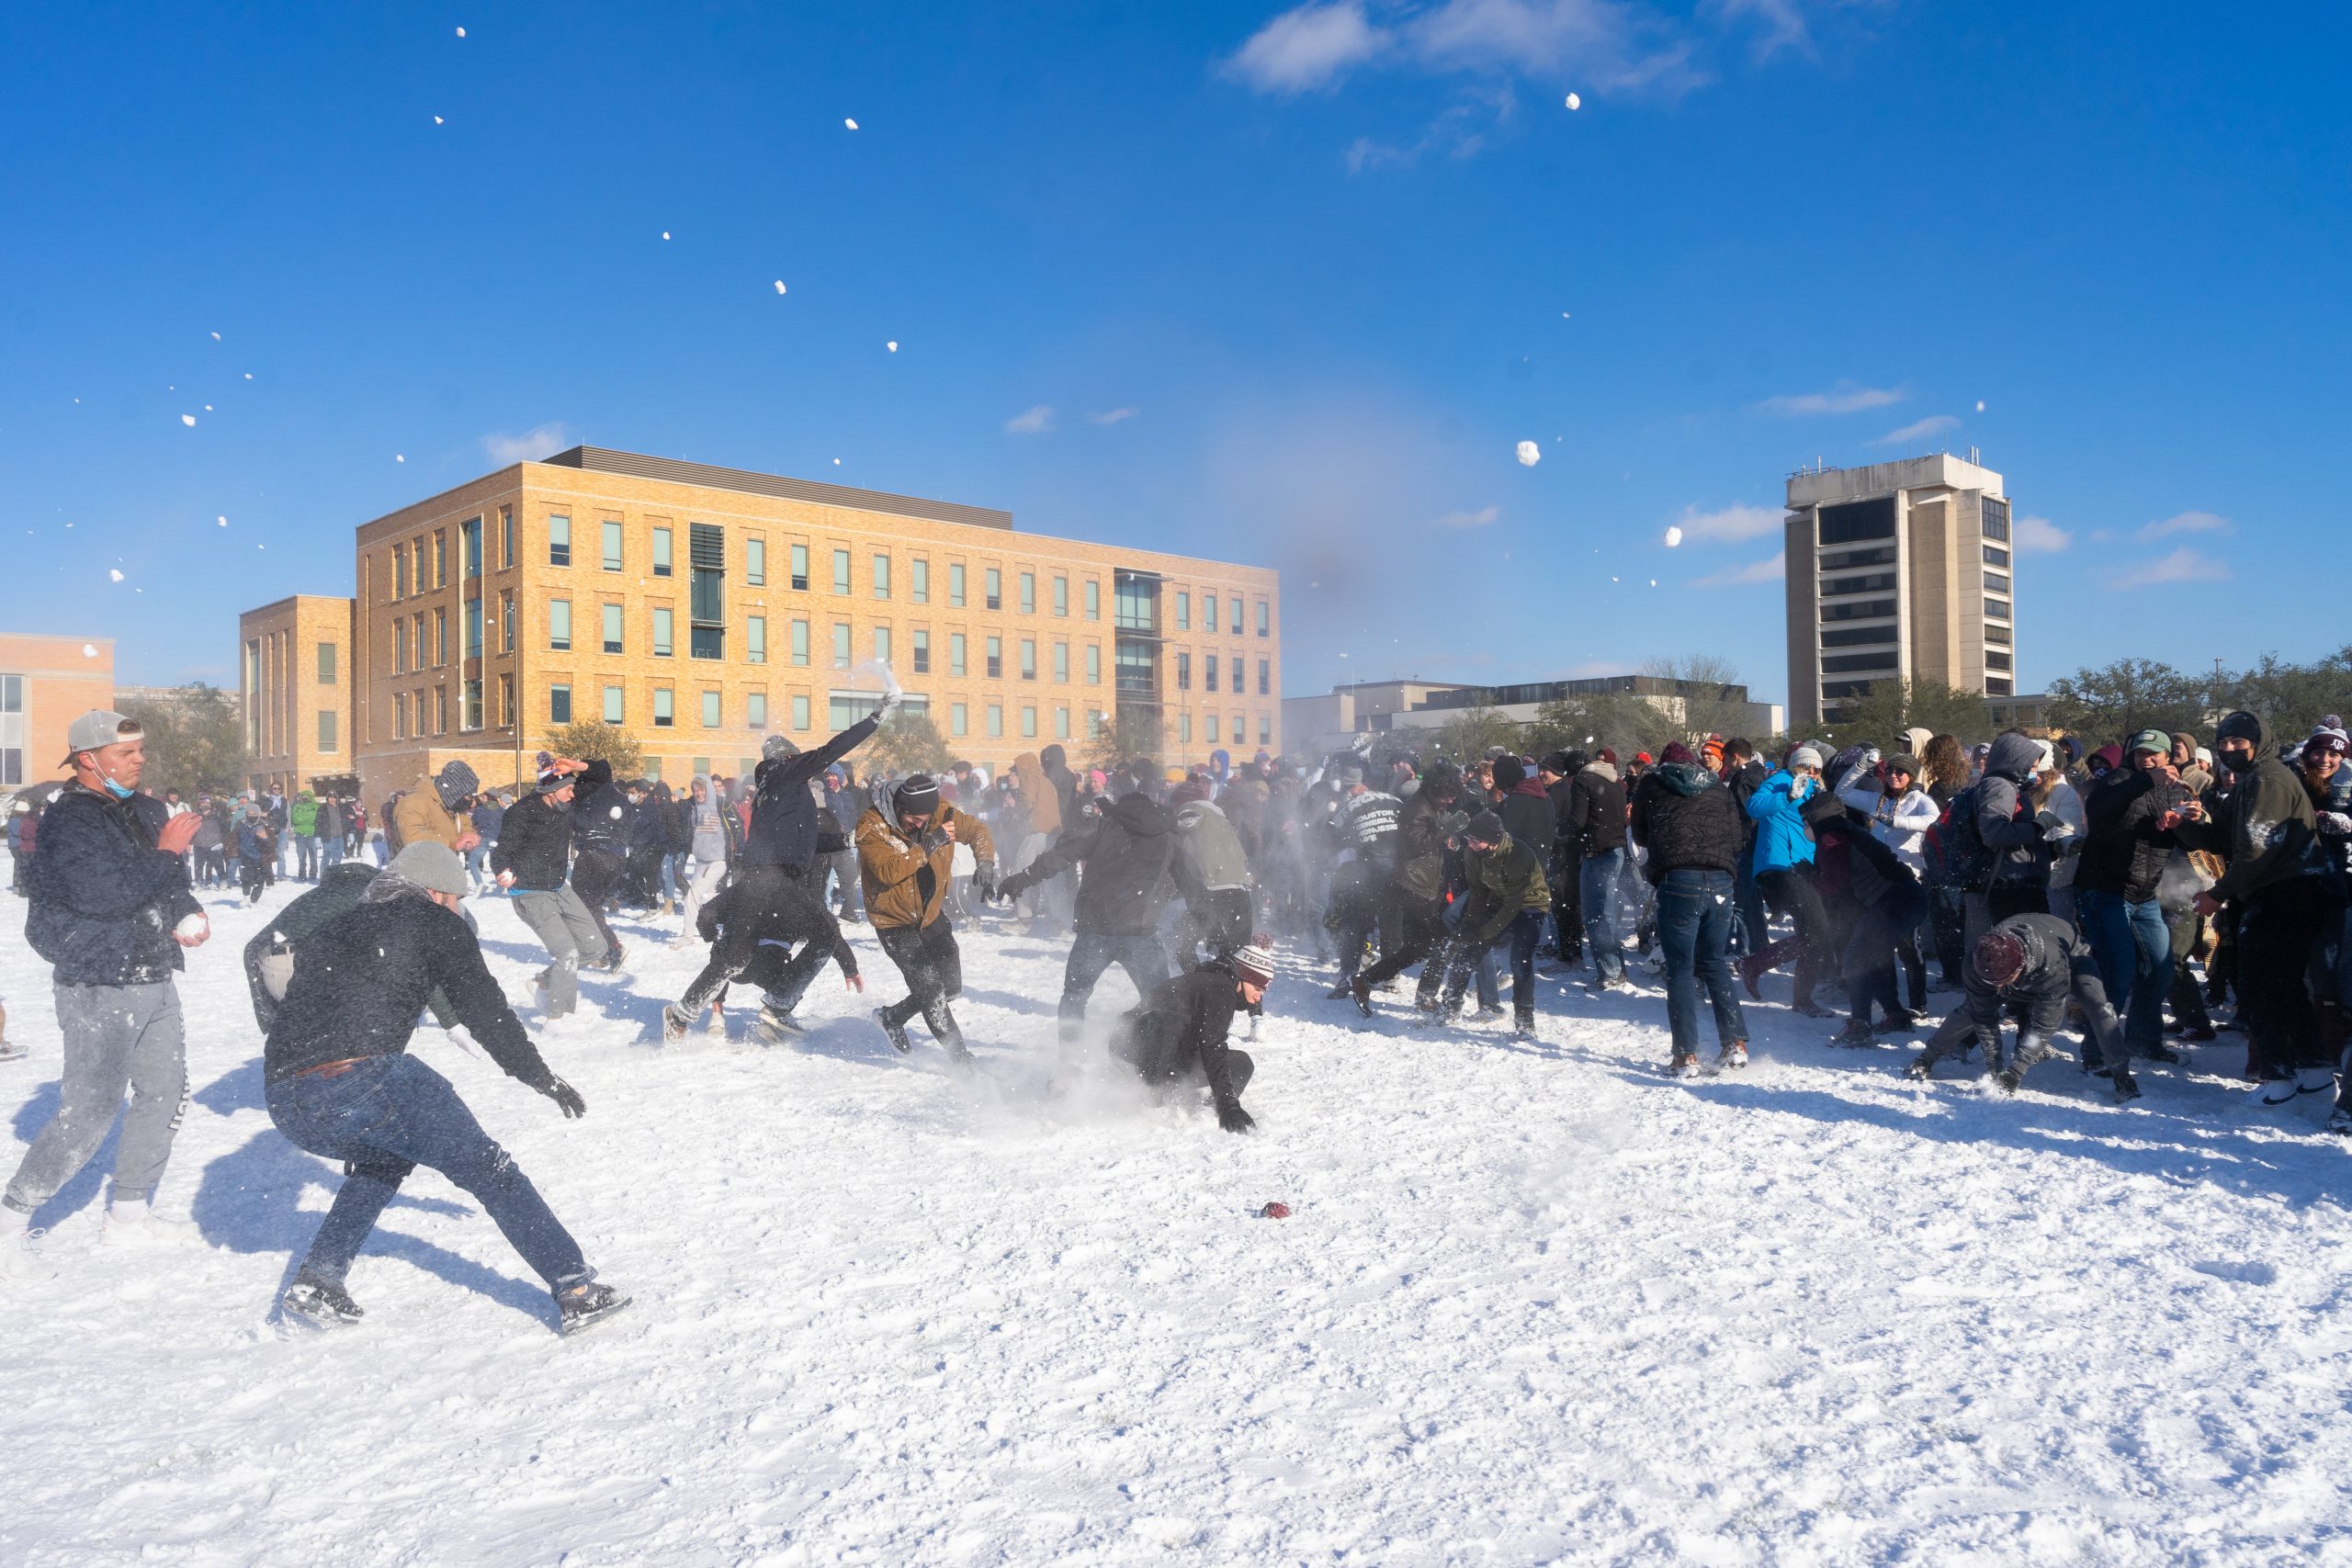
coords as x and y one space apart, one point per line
1855 1034
586 1304
1524 1025
675 1025
776 1028
320 1302
1344 989
20 1255
1685 1065
1734 1054
2161 1053
2127 1088
1921 1067
897 1031
1362 990
2008 1078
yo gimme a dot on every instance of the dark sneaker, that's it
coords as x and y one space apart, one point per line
2127 1088
2201 1035
1921 1067
1524 1025
2008 1078
1685 1065
897 1031
584 1306
320 1302
1359 989
1733 1055
1811 1010
2163 1053
1854 1034
780 1028
1899 1022
1342 991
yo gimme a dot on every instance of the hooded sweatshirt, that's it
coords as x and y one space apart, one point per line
1685 817
1126 850
2005 821
2265 829
1596 813
1039 798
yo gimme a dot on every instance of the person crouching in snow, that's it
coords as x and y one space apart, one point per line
2037 962
751 941
906 857
339 1082
1178 1035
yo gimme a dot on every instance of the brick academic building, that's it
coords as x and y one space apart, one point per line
704 609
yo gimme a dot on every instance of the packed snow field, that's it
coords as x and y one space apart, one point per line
1535 1303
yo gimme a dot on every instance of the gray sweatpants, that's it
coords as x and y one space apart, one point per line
561 921
117 1038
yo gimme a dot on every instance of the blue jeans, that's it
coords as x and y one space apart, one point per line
2132 946
1139 953
1603 925
385 1117
330 849
1694 922
477 865
1489 998
1526 928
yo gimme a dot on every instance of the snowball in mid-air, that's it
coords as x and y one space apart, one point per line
461 32
223 522
399 456
249 375
188 419
114 574
837 462
1575 102
849 123
665 233
1980 405
779 286
1673 537
1530 454
438 120
216 337
89 651
892 346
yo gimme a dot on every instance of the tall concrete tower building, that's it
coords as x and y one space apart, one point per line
1898 570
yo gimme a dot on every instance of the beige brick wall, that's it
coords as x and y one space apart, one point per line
285 683
60 678
396 746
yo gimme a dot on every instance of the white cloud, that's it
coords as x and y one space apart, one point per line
2184 564
529 446
1310 47
1036 422
2039 536
2185 522
1918 430
1844 398
1782 21
1478 519
1730 524
1114 416
1772 569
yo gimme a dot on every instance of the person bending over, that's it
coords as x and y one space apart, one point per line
1178 1035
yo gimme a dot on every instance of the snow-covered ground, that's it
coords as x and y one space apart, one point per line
1536 1303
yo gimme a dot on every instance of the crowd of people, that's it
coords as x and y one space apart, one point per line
2052 887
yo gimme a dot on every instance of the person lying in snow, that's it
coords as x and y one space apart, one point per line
2037 962
1178 1035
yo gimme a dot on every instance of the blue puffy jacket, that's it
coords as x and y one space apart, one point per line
1781 838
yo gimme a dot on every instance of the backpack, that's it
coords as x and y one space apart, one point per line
391 821
1955 851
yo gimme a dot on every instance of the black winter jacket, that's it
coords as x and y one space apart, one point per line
1687 819
1530 818
1180 1030
360 980
2123 851
784 811
534 843
1127 849
104 899
336 894
600 812
1597 810
768 908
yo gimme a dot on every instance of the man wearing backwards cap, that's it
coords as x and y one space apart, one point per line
2127 839
110 911
533 863
1179 1034
2037 962
906 859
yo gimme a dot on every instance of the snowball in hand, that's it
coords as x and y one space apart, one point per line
1673 537
190 927
1530 454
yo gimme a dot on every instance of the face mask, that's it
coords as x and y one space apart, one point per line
2237 761
120 791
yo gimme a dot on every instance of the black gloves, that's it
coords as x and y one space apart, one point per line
1012 888
1232 1118
564 1095
984 880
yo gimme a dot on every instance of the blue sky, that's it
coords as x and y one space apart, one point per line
1271 285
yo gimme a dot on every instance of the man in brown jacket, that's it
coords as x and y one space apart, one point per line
906 861
425 813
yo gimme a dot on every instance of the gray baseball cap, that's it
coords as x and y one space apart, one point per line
98 727
433 866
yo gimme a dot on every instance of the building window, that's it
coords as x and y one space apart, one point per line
1093 663
1211 721
440 564
612 546
955 653
505 537
1868 582
612 628
1995 555
706 591
327 739
1234 623
955 585
661 552
1028 723
1135 605
1856 637
1998 686
1997 634
918 580
881 577
400 647
996 658
614 712
1860 610
1996 517
1235 683
841 645
559 541
560 705
1265 677
882 644
1995 661
756 639
440 637
1061 724
1185 727
1093 601
958 719
1848 663
756 710
994 597
399 572
1996 611
1996 582
922 651
800 711
559 625
1028 592
1265 730
1266 618
1208 613
800 568
1184 610
399 715
1061 596
1208 673
326 664
1028 658
506 701
996 720
506 620
440 710
1061 662
711 717
470 548
469 705
800 643
1857 520
1184 672
663 617
755 562
473 628
840 572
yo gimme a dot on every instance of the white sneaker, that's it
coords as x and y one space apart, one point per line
138 1225
2314 1080
21 1258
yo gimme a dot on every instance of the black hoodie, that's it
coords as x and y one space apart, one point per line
1127 849
1687 821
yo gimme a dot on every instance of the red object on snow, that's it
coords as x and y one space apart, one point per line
1274 1211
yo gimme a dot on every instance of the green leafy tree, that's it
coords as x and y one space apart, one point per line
592 742
908 742
2131 694
196 742
1880 716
